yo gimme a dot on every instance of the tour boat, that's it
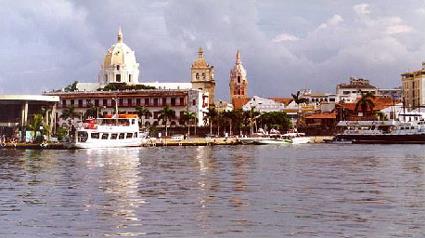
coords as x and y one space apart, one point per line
382 132
121 130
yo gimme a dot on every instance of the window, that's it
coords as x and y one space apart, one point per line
105 102
138 101
129 78
155 102
203 75
72 102
164 101
64 102
181 101
82 136
121 136
239 79
80 103
118 67
95 135
194 102
96 102
129 135
118 77
146 101
173 101
197 76
105 136
135 134
114 136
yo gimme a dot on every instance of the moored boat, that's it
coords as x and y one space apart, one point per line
118 131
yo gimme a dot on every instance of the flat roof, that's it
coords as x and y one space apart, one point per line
33 98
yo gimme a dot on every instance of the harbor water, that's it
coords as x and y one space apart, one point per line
317 190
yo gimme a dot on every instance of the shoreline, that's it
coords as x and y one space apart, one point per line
195 141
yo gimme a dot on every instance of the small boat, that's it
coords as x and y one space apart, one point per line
121 130
297 138
273 141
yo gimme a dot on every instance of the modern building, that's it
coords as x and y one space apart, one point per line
20 110
349 92
238 84
413 86
203 76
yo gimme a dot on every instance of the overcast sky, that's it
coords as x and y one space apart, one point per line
285 45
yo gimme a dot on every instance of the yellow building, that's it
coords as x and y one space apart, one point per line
413 86
203 76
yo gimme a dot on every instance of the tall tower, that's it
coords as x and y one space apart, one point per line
203 76
238 83
119 64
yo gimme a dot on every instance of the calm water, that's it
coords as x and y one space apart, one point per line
238 191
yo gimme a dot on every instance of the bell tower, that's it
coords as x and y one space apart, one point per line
203 76
238 83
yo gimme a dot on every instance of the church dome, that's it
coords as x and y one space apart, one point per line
119 54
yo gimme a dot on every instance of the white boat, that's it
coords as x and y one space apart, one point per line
110 132
272 141
297 138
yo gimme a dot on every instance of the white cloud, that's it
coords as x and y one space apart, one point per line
398 28
331 22
362 9
284 37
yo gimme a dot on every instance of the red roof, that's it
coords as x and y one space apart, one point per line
331 115
285 101
379 102
239 102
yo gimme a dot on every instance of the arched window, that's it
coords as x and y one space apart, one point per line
118 78
118 67
239 79
197 76
129 78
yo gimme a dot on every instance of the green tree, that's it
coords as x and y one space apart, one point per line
364 103
278 120
189 118
92 111
228 116
165 115
35 124
142 112
72 87
210 117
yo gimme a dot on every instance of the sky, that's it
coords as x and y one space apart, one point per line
285 45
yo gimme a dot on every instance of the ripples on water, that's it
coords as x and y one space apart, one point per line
235 191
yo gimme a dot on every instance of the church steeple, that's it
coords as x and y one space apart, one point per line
203 76
238 83
120 36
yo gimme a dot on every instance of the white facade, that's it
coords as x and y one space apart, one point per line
263 105
119 65
349 92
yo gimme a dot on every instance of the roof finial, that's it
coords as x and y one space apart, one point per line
200 53
120 37
238 57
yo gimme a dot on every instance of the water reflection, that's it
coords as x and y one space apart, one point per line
246 191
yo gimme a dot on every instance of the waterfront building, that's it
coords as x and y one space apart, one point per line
17 112
413 86
349 92
120 66
179 100
263 105
203 76
317 97
238 83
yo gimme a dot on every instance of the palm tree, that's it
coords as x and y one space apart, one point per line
298 100
188 117
365 102
35 124
166 114
228 116
211 116
142 112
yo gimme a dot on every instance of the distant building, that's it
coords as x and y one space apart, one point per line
348 92
263 105
394 93
238 84
317 97
223 106
203 76
413 86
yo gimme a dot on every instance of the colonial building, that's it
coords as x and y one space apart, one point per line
263 105
349 92
413 86
154 100
120 66
238 84
203 76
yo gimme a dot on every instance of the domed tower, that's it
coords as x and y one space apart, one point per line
203 76
119 65
238 83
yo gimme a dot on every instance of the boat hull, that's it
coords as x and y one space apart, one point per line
383 139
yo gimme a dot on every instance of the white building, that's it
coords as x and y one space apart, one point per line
349 92
263 105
